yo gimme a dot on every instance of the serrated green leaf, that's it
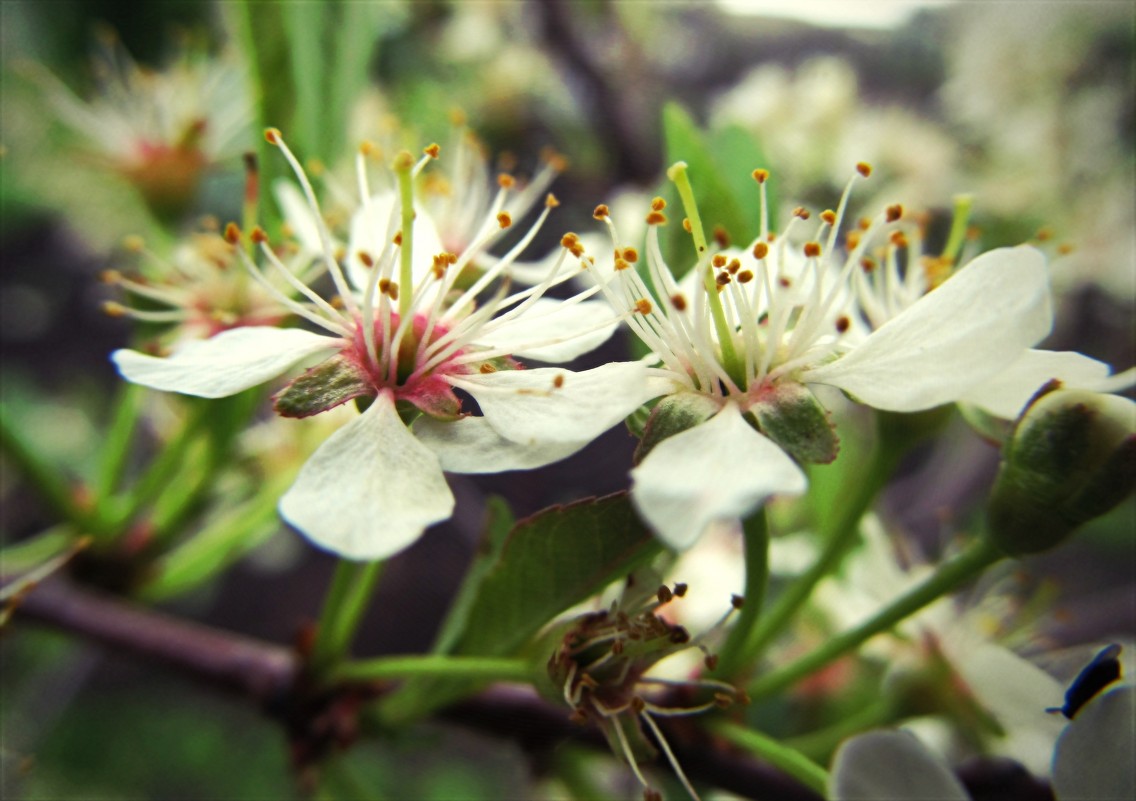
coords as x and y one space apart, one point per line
545 564
550 562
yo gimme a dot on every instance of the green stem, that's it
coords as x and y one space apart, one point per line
483 668
844 530
820 744
976 558
677 174
159 476
777 754
958 227
116 446
343 609
403 165
45 479
756 543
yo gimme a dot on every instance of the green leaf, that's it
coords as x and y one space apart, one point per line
498 524
737 153
531 572
550 562
716 188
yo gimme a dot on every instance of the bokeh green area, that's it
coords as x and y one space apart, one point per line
100 726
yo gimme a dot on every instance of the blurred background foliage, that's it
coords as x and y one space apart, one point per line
1028 106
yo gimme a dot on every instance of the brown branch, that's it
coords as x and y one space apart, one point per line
271 675
254 669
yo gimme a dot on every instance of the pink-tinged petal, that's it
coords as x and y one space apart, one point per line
719 470
225 364
550 404
1006 394
952 339
1095 758
471 445
370 490
890 766
551 331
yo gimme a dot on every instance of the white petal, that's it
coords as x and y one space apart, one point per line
294 206
471 445
227 363
890 766
1096 755
1007 393
370 490
718 470
369 227
528 406
1015 691
952 339
549 320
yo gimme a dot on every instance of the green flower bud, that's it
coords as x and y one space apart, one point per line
1072 457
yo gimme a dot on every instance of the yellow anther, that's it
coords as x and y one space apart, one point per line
433 150
812 249
760 250
273 136
864 168
601 212
894 212
504 219
761 176
643 306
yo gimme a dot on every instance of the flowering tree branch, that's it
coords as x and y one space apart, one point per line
269 674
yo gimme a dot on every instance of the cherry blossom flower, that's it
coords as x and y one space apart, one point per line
738 344
401 340
884 291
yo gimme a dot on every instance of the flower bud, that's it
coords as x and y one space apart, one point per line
1072 457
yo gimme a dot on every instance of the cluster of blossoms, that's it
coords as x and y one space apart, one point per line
404 334
737 343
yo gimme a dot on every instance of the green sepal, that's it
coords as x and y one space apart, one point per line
790 415
325 386
673 415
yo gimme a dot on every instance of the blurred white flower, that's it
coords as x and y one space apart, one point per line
162 130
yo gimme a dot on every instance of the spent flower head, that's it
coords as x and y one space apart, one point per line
600 667
398 339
